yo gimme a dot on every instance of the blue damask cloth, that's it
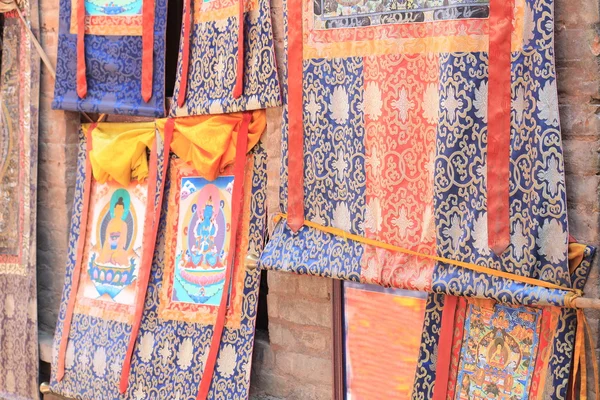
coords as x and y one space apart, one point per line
114 69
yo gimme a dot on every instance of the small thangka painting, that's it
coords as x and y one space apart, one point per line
202 240
115 232
499 352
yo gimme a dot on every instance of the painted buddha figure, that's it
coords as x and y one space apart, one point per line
205 251
498 352
114 249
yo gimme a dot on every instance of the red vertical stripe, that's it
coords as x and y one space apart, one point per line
87 188
444 356
236 199
239 77
147 48
149 241
185 53
499 102
295 123
81 79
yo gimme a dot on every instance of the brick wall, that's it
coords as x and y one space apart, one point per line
294 362
578 85
56 182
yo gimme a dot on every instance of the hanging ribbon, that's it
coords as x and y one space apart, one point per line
147 49
81 79
498 146
60 368
148 244
444 356
185 52
295 207
239 76
236 200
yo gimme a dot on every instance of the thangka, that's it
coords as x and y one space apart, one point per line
113 229
19 91
421 150
474 348
226 58
111 57
196 323
468 348
390 141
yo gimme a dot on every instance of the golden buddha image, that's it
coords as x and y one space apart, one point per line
113 259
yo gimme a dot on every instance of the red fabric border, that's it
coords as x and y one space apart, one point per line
147 48
295 123
236 199
444 354
239 77
149 241
60 369
499 102
185 53
81 79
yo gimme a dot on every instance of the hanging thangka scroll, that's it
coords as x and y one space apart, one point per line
199 290
111 57
226 58
19 89
422 151
468 349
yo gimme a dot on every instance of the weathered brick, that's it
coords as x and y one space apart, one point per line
583 191
315 286
583 225
304 368
585 14
282 282
307 340
582 156
573 44
304 312
579 119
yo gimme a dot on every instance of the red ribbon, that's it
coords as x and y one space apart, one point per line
147 49
81 79
295 123
148 244
444 356
87 188
236 199
185 52
499 102
239 77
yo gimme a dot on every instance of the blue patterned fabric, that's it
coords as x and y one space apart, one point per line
213 57
169 355
114 70
426 368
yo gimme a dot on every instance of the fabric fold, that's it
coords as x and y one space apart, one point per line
209 142
120 151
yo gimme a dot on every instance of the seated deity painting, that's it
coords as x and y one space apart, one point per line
499 352
115 233
203 240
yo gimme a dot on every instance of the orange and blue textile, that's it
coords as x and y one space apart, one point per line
19 89
148 263
431 127
226 60
107 58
